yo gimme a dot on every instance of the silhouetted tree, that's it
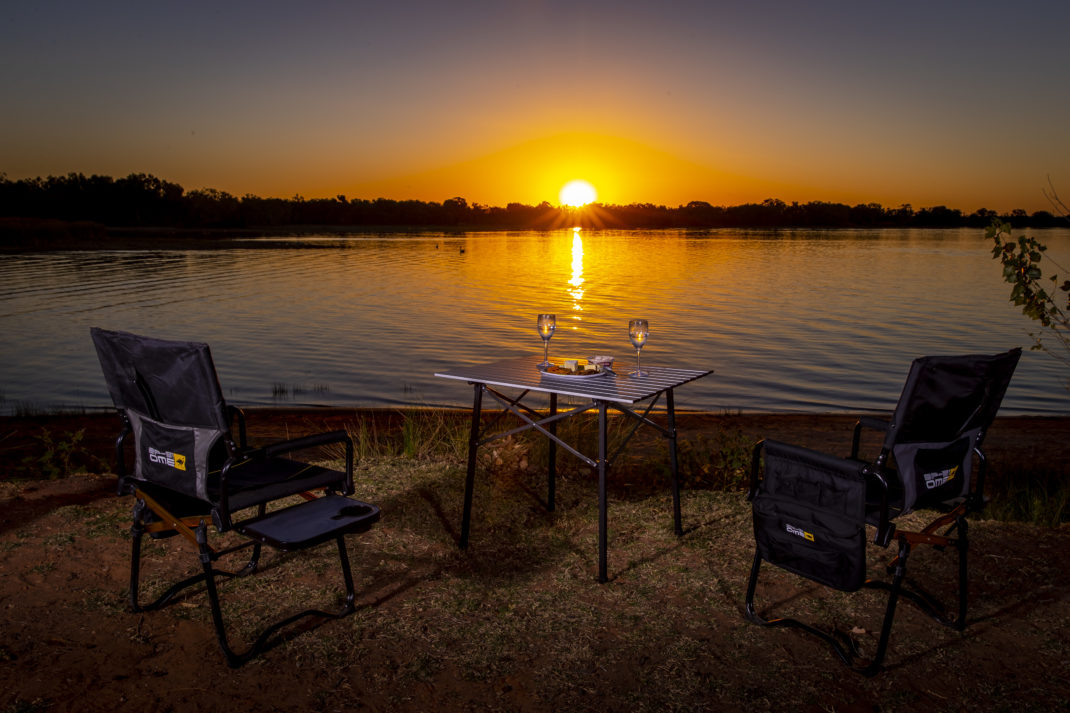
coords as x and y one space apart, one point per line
145 200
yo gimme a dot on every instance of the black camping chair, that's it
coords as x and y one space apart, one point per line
811 509
189 471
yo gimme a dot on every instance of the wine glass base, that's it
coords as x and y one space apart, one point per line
638 372
544 364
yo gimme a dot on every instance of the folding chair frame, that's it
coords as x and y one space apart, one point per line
947 404
202 484
886 531
194 529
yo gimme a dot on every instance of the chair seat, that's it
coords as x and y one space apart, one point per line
262 480
310 523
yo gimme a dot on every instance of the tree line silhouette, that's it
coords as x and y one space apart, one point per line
145 201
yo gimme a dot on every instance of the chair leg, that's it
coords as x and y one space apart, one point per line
843 647
233 660
136 532
263 641
208 575
254 559
347 576
964 584
752 584
841 644
927 602
895 589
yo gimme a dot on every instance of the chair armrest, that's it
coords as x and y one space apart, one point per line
833 466
755 462
233 412
312 441
299 444
123 487
877 423
874 475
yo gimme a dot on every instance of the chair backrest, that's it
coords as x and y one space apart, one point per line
947 405
170 393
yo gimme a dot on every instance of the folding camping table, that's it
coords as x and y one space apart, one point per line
620 392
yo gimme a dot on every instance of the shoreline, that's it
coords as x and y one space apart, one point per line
22 235
1012 442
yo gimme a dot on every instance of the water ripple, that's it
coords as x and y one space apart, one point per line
790 320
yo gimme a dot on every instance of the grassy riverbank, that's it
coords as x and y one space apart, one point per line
517 622
1029 455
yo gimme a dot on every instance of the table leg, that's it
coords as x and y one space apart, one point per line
602 523
676 519
469 479
552 467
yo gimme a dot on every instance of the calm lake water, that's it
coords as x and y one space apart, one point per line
789 320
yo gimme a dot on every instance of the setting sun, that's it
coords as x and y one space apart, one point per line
577 193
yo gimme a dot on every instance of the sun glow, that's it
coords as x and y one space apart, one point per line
577 193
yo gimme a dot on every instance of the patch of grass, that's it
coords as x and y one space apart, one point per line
59 540
104 600
1038 496
417 434
96 522
720 461
43 568
61 455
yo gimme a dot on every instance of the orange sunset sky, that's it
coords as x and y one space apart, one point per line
962 104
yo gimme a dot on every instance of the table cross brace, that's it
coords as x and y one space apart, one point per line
511 406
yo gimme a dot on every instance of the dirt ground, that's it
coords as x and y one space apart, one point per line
666 633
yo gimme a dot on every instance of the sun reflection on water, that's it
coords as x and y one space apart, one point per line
576 282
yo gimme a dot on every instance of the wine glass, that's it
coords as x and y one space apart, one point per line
638 331
547 325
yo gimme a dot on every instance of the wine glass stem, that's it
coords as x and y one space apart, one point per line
546 351
638 366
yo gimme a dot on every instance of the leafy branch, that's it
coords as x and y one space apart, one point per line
1030 289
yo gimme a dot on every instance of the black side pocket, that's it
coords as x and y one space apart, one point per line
166 455
818 545
938 472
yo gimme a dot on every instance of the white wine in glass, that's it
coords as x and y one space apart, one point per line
638 331
547 325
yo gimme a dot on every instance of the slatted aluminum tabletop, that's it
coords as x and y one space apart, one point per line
618 391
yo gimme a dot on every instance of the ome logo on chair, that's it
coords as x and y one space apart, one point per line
168 458
798 532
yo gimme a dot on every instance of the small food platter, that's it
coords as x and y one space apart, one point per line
546 371
576 368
